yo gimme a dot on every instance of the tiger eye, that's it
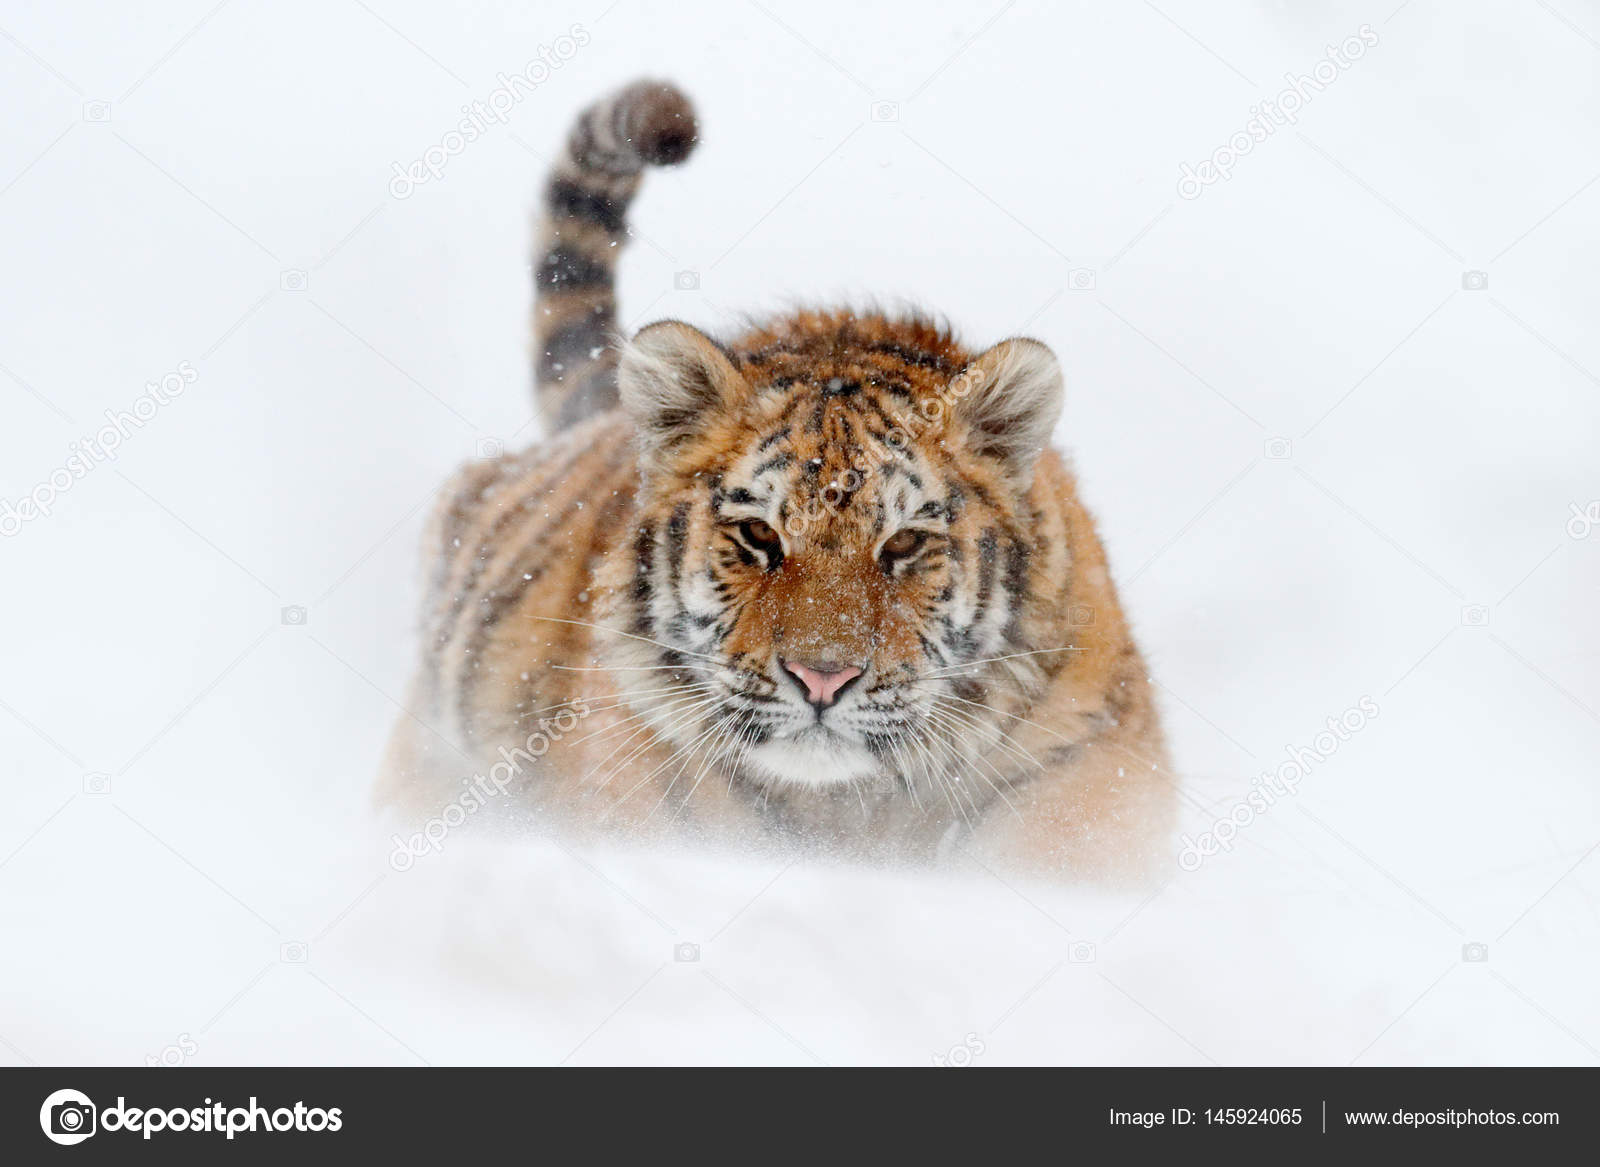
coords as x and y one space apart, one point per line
760 532
903 542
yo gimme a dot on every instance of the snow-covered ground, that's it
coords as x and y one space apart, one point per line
1330 465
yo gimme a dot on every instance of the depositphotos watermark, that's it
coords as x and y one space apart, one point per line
963 1054
68 1117
480 790
87 453
1282 110
1271 785
175 1053
928 416
1584 519
495 109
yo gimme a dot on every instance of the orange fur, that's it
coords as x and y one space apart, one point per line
622 600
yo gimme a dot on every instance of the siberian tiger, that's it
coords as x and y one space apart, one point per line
820 585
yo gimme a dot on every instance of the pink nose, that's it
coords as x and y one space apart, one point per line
822 681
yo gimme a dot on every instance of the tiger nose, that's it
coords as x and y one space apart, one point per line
823 681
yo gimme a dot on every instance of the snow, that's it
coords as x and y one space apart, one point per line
1327 464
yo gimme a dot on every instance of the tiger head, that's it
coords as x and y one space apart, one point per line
834 519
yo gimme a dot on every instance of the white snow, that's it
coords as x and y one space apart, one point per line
184 765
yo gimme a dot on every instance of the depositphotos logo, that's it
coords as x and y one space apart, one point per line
69 1116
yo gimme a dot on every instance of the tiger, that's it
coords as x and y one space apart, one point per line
823 587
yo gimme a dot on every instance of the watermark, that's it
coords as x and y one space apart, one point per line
1271 785
927 416
959 1057
1267 117
88 453
482 789
174 1054
68 1117
492 110
1584 519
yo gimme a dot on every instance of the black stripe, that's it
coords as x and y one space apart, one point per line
777 462
590 154
644 564
570 345
479 555
1016 576
988 553
677 540
568 268
566 199
920 358
525 571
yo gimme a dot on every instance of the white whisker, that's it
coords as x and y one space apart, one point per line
955 670
630 636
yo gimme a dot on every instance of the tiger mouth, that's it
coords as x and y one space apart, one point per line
819 733
814 756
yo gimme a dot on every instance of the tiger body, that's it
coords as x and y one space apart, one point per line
822 585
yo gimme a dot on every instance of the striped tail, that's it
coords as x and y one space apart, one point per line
585 226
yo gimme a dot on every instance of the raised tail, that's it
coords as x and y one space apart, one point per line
584 227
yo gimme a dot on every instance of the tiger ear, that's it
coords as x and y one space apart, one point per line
1010 398
670 377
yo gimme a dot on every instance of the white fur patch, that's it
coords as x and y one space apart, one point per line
814 759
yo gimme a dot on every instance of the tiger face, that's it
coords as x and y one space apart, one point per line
829 532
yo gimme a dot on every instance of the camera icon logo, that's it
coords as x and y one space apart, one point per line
97 111
293 952
1475 616
1475 953
1278 449
1475 281
295 614
293 280
490 448
886 111
1080 616
97 782
67 1117
686 953
687 280
1081 952
1081 279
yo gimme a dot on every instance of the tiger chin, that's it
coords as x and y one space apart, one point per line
823 586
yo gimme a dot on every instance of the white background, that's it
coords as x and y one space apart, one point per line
1439 437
